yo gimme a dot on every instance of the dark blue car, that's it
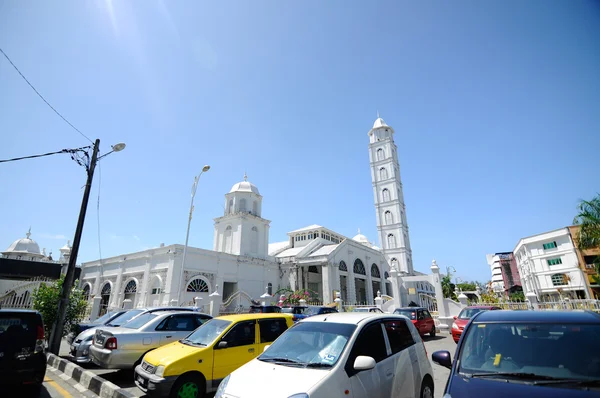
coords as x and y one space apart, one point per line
545 354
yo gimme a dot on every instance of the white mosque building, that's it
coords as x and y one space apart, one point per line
244 265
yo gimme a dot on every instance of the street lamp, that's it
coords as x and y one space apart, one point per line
448 268
187 235
63 303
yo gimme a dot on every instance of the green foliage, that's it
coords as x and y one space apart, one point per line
467 286
293 297
489 298
46 298
448 288
588 219
517 296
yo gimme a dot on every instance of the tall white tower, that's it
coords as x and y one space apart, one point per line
389 198
242 230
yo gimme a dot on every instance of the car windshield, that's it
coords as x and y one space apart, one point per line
311 311
207 333
125 317
547 350
139 321
467 313
311 344
410 314
103 319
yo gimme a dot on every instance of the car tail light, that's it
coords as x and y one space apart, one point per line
40 339
111 343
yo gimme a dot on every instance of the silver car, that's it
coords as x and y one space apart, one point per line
80 346
124 347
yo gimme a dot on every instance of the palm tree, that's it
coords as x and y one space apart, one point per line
589 220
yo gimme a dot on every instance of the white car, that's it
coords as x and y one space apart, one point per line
350 355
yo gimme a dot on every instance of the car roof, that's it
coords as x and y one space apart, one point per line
411 308
573 316
250 317
5 310
482 306
353 318
173 312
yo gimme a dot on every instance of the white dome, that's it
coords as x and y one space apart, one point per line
244 186
24 245
360 238
379 122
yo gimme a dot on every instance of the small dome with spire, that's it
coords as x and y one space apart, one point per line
244 186
360 238
379 122
24 246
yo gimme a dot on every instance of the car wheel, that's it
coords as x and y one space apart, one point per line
432 333
189 386
427 388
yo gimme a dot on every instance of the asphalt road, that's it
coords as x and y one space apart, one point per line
124 378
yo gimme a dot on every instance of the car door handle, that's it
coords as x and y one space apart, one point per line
168 337
250 349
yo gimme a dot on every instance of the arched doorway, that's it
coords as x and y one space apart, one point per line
105 298
360 282
86 292
197 287
130 291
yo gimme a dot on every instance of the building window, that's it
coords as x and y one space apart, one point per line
197 286
391 239
227 240
254 240
313 269
389 219
359 267
383 174
255 208
130 290
380 154
343 266
559 279
243 205
86 291
270 288
394 262
230 206
386 195
554 261
550 245
375 271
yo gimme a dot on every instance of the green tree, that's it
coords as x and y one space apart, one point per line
517 296
46 298
589 221
467 286
448 287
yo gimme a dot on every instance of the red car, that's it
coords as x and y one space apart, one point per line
420 317
465 315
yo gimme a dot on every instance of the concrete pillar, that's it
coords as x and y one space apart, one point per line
173 303
396 280
302 302
326 283
198 302
532 301
127 304
463 300
378 300
95 308
215 303
293 276
443 313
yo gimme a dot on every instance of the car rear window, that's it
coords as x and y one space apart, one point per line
18 325
124 318
139 321
410 314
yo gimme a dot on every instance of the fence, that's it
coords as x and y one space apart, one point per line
592 305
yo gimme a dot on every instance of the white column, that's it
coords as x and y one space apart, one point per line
326 283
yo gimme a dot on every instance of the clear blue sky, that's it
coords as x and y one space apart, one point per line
496 107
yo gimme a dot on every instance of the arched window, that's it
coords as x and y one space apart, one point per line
559 280
401 216
386 275
86 291
105 297
254 240
343 266
394 263
105 290
389 219
255 207
391 239
380 154
385 195
227 240
359 267
242 205
230 206
156 285
270 288
130 290
375 271
197 285
383 174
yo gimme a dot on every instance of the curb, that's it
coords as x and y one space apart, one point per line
96 384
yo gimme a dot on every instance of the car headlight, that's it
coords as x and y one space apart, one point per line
301 395
222 387
454 326
160 370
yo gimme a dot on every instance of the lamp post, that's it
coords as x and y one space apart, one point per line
187 235
63 303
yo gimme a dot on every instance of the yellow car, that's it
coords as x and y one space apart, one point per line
195 365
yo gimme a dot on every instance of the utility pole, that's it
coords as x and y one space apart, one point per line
63 304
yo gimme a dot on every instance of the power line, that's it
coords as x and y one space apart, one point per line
44 99
71 151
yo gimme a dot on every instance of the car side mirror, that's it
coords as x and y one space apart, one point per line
363 362
222 344
455 317
267 346
442 358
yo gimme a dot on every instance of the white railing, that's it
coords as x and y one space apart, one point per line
21 295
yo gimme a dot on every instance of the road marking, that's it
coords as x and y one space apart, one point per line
57 387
